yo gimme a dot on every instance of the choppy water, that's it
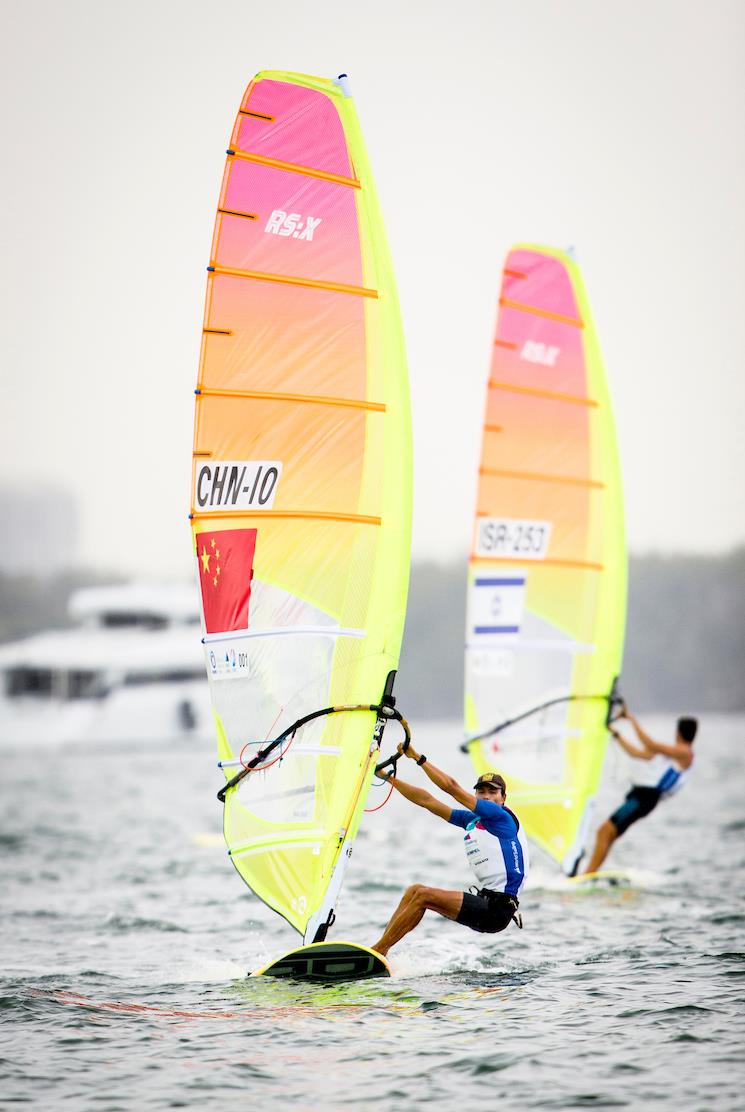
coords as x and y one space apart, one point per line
127 933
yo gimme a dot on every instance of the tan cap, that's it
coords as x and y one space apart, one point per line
491 778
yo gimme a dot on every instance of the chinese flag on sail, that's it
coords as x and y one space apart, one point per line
225 561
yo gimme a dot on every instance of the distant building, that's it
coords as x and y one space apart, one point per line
41 528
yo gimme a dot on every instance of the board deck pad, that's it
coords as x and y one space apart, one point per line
327 962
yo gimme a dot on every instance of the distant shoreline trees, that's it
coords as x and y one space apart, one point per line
685 636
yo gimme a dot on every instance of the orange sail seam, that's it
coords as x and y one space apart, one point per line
493 428
539 477
540 312
552 395
293 168
506 344
514 273
311 399
315 283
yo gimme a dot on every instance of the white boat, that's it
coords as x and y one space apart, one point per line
129 670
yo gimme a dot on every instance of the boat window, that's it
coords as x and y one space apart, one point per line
47 683
116 619
182 675
28 681
84 685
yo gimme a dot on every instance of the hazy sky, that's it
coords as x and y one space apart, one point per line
613 127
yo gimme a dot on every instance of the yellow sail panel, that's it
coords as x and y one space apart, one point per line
547 574
301 495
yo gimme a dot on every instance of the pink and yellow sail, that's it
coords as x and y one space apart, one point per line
547 573
301 495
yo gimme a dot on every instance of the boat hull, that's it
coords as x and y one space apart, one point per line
149 713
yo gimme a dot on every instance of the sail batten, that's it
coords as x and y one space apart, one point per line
522 308
293 280
301 488
551 395
309 515
538 477
311 399
547 571
308 171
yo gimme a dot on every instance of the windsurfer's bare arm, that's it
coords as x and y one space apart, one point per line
639 754
647 741
679 750
443 781
422 799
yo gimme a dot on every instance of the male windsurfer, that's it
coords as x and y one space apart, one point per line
665 775
496 850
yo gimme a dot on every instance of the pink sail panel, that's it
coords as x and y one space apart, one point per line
539 339
303 127
302 226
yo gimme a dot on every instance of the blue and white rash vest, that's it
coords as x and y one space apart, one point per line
496 847
662 773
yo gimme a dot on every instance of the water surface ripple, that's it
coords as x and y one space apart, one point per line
127 935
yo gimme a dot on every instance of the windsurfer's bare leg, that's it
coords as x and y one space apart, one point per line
415 901
604 839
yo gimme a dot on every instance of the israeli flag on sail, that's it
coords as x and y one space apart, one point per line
496 605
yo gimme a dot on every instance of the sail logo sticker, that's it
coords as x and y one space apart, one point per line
510 536
533 351
496 605
227 662
237 484
492 663
293 224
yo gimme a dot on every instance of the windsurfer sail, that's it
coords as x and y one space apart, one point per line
547 573
301 495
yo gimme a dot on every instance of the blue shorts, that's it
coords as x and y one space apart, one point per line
638 803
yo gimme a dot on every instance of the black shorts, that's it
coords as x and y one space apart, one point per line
638 803
487 912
